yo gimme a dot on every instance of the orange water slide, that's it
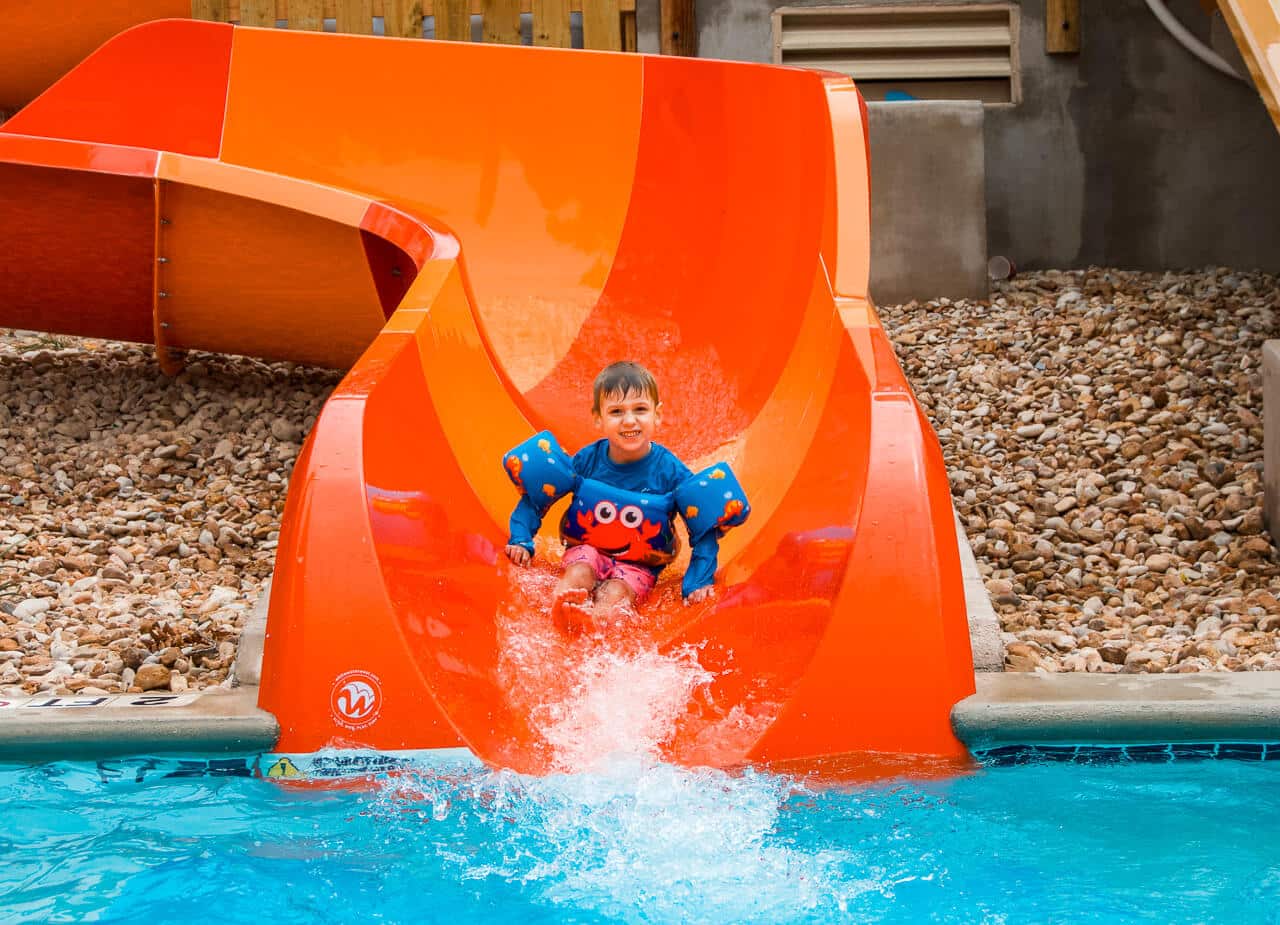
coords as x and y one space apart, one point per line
474 231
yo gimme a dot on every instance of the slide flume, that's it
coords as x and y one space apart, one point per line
474 231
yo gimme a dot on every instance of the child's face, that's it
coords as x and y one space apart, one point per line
629 423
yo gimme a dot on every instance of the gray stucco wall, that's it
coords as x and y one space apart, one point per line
1131 154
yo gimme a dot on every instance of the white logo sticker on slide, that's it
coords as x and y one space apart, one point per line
356 699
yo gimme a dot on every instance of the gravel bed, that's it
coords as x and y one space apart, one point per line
138 514
1102 429
1103 435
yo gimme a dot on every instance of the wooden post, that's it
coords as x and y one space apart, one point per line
305 15
1062 27
258 13
211 10
501 22
679 28
355 17
551 23
402 19
602 25
453 20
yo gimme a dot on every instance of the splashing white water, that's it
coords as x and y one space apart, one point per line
619 704
615 830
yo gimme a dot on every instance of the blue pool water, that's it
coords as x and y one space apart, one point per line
633 840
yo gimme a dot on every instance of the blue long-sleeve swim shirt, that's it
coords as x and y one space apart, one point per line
660 472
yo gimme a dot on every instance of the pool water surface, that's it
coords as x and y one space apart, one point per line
634 840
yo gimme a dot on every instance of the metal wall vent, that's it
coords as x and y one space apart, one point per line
965 51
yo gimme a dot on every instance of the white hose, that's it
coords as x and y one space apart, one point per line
1190 42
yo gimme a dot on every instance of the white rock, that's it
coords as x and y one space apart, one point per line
29 610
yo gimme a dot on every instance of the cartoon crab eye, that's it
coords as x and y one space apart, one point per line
631 516
605 512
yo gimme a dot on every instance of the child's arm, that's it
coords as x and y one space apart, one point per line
525 521
701 573
541 466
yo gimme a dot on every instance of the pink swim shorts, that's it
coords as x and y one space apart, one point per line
639 579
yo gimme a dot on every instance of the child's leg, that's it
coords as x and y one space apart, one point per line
571 608
576 583
624 589
614 598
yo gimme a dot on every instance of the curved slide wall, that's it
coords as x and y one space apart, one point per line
475 231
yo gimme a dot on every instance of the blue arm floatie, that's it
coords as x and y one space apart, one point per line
541 470
712 500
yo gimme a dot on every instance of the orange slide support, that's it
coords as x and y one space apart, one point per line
475 231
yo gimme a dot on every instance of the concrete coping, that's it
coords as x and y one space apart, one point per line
89 728
984 626
1025 708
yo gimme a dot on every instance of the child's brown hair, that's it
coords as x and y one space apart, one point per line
621 378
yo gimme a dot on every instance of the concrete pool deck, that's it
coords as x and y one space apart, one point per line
1009 708
1025 708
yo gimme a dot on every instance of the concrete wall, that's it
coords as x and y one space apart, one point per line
1131 154
928 221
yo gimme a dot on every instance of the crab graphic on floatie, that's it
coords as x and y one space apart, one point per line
622 533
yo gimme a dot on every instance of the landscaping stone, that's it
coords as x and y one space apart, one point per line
1103 435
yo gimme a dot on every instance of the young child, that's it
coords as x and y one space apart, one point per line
627 412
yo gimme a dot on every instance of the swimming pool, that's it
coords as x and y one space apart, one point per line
638 841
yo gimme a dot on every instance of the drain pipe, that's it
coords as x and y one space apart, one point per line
1190 42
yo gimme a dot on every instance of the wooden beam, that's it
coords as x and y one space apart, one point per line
1062 27
679 28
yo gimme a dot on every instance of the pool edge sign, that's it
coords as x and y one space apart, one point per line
355 701
87 701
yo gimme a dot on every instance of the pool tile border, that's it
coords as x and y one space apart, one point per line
1011 755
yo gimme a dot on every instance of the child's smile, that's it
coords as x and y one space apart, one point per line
629 423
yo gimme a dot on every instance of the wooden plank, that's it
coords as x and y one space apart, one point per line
233 10
402 19
602 25
551 23
679 28
1062 27
501 22
258 13
453 20
210 10
305 15
630 38
355 17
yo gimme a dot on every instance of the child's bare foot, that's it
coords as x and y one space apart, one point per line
571 612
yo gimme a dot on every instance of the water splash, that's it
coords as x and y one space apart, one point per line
636 840
614 829
612 693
